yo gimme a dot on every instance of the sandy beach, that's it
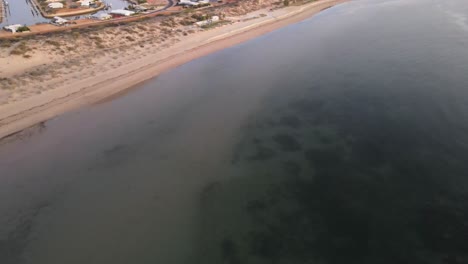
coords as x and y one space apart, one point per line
45 76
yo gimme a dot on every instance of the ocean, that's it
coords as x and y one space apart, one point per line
339 139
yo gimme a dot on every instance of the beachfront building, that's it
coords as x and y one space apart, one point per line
55 5
213 19
193 3
121 13
85 3
187 3
60 21
12 28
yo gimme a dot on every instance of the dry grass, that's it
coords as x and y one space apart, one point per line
53 43
5 43
20 49
6 83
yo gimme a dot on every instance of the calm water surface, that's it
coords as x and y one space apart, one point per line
25 12
341 139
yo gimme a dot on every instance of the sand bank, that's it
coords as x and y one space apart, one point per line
18 115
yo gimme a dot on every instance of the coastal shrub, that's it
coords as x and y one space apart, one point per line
141 27
129 38
128 29
166 31
75 34
199 17
22 29
53 43
186 22
96 38
165 23
6 81
20 49
286 2
37 72
5 44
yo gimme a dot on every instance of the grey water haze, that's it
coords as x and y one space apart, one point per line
340 139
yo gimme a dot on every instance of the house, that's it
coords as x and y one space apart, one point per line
208 21
121 13
55 5
104 16
187 3
12 28
59 21
85 3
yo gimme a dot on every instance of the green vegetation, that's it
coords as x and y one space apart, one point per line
201 17
23 29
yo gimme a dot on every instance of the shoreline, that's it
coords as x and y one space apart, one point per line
18 116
